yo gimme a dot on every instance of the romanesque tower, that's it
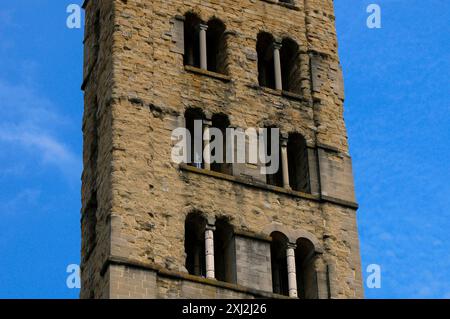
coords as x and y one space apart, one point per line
155 228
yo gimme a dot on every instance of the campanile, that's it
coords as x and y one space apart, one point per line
153 228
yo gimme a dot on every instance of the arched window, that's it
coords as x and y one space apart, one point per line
215 50
290 66
216 47
194 243
264 48
306 273
194 124
224 252
298 163
191 40
221 122
278 248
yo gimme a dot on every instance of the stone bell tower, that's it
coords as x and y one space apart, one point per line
155 228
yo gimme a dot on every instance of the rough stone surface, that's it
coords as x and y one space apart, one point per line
136 88
253 263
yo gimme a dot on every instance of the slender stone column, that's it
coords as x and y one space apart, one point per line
203 47
277 66
284 162
207 139
292 272
197 148
209 251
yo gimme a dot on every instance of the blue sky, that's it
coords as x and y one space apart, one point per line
397 114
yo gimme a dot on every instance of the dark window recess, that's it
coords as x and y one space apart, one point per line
216 47
306 273
191 40
298 163
191 116
195 244
266 71
224 252
220 122
290 66
277 178
278 249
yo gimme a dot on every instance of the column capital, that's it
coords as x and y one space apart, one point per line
277 45
284 141
207 122
291 246
210 220
203 27
210 227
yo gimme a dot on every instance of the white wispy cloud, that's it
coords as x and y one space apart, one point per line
31 123
47 148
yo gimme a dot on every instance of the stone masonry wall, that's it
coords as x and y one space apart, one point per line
97 116
143 88
135 283
253 263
